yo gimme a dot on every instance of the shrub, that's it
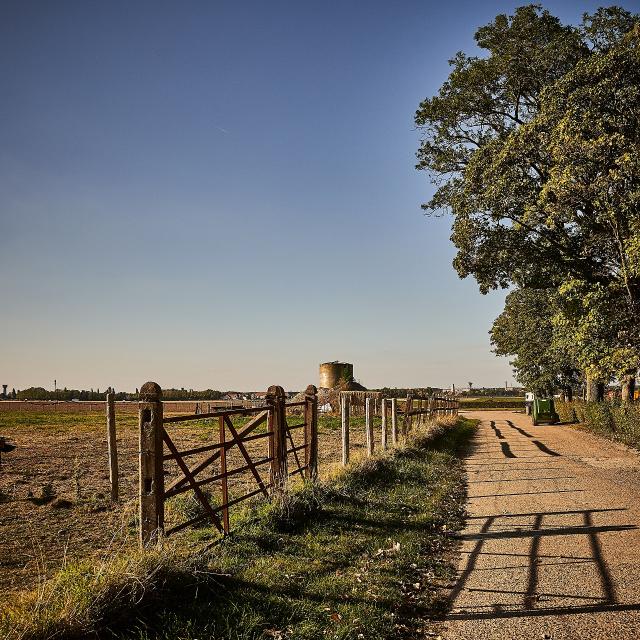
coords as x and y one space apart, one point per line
506 402
598 417
611 419
626 419
566 411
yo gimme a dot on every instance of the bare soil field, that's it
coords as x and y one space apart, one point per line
122 406
54 488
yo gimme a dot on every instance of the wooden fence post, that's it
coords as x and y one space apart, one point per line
278 438
407 414
224 485
112 447
368 422
345 429
151 464
383 432
311 432
394 421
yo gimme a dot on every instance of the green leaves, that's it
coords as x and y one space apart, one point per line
534 150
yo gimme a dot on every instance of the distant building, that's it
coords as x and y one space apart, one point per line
338 374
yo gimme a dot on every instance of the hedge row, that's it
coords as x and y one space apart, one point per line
611 419
502 402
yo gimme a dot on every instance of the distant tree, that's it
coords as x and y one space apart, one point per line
542 360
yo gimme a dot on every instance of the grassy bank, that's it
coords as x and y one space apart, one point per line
611 419
363 555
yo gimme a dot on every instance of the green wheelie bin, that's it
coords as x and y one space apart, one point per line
544 410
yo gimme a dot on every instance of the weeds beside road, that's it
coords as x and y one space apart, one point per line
362 555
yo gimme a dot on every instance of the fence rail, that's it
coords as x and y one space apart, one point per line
267 458
416 410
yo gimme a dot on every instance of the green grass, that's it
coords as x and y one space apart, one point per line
51 422
362 556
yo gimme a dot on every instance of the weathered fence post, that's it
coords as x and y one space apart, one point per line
224 485
368 421
407 414
112 446
383 413
151 464
394 421
345 428
311 432
278 438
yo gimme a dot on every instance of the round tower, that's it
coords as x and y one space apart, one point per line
333 373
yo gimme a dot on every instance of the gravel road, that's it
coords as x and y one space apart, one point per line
551 547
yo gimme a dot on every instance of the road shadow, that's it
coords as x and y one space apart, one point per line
532 602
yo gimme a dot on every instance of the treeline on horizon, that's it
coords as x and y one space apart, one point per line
97 395
66 395
489 392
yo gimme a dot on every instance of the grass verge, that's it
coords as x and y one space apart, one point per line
364 555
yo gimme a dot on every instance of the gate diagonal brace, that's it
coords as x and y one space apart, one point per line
295 451
197 468
237 440
189 476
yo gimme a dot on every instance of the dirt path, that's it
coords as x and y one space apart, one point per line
552 543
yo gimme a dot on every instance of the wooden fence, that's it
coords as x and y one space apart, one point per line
286 450
265 448
415 411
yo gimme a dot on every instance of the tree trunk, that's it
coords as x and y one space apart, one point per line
595 390
628 388
568 394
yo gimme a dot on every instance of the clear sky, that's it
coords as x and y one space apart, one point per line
223 194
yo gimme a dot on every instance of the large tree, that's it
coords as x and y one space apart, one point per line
534 152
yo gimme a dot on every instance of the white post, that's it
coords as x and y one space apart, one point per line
345 430
368 420
394 421
383 412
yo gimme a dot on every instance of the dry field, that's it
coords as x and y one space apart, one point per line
54 487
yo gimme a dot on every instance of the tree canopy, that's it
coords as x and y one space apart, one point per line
534 151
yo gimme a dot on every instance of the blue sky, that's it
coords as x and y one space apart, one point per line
223 194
